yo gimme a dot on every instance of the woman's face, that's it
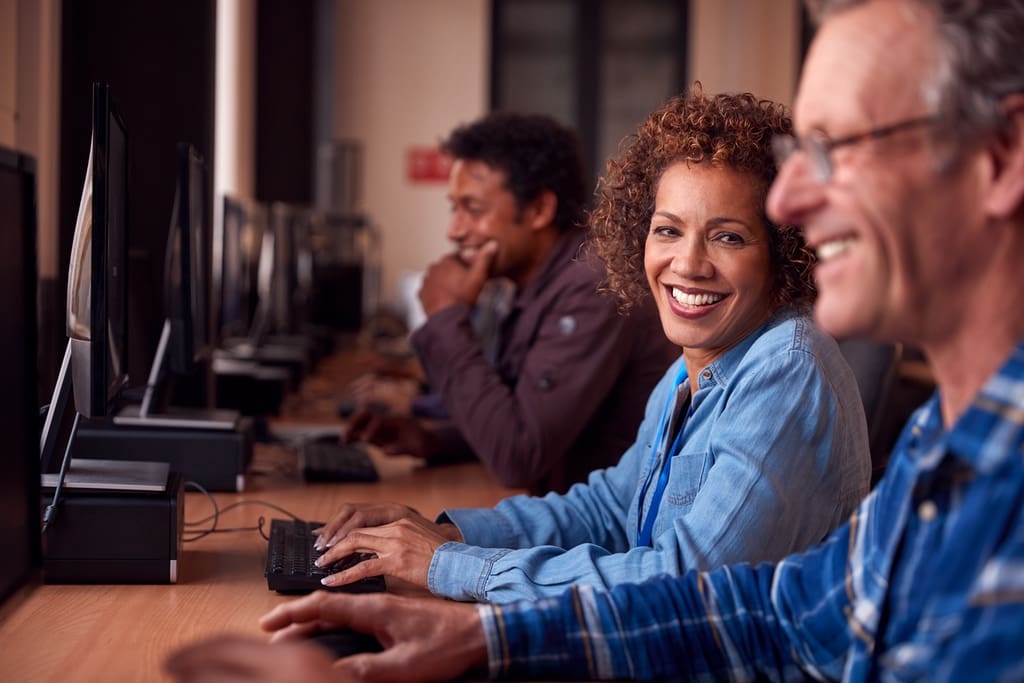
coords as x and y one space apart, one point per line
707 258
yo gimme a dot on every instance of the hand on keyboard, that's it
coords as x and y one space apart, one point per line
404 550
291 562
358 515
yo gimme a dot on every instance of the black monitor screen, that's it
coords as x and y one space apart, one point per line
97 285
187 268
242 235
19 457
234 286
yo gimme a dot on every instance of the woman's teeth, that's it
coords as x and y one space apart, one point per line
695 299
833 248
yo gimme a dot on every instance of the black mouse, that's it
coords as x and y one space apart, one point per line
344 642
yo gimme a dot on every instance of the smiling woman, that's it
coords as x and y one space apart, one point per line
707 260
753 444
729 132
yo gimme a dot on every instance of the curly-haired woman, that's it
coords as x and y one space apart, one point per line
753 445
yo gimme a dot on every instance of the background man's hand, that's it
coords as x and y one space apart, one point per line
449 280
394 434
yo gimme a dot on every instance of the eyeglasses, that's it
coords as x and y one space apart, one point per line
819 147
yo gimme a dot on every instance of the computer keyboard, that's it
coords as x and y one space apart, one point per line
290 558
334 461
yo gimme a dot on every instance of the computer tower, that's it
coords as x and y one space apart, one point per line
111 536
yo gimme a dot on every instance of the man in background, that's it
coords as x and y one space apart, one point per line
559 389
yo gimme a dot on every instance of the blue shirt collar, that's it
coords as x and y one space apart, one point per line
722 368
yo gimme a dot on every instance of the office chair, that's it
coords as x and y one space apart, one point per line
875 366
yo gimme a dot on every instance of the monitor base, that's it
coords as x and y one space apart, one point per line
215 459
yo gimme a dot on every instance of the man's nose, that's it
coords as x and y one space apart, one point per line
796 193
456 226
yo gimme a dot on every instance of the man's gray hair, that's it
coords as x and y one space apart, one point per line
982 58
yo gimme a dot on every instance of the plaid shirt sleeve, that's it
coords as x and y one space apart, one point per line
925 582
734 626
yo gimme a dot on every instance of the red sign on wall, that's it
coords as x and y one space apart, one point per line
427 165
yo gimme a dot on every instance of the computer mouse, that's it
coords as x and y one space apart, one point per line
344 642
347 407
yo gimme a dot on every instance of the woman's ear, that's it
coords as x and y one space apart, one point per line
1006 194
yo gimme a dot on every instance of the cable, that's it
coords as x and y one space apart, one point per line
51 510
218 511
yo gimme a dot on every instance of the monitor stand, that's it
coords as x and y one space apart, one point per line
216 459
179 418
210 447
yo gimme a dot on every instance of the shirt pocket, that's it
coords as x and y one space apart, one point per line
687 476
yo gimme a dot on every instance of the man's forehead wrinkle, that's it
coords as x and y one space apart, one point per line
871 64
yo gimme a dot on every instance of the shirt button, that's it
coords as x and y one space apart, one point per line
926 511
706 374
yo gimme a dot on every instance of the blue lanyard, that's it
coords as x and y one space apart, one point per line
644 530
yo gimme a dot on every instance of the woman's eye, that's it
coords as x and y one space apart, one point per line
730 238
664 230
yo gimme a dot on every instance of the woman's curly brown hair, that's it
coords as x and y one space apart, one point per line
728 130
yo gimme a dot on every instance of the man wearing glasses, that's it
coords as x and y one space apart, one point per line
908 177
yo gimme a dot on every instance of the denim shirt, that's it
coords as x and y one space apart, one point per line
925 583
774 457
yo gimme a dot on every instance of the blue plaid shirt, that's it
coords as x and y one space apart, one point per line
925 582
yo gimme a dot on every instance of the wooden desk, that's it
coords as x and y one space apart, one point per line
71 633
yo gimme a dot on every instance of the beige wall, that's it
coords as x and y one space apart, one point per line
8 70
745 45
30 105
407 71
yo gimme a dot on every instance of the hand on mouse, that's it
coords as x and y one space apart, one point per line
424 639
232 659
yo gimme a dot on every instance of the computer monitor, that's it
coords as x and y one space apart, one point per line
185 339
283 218
187 268
243 223
19 457
93 368
97 282
266 267
344 284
